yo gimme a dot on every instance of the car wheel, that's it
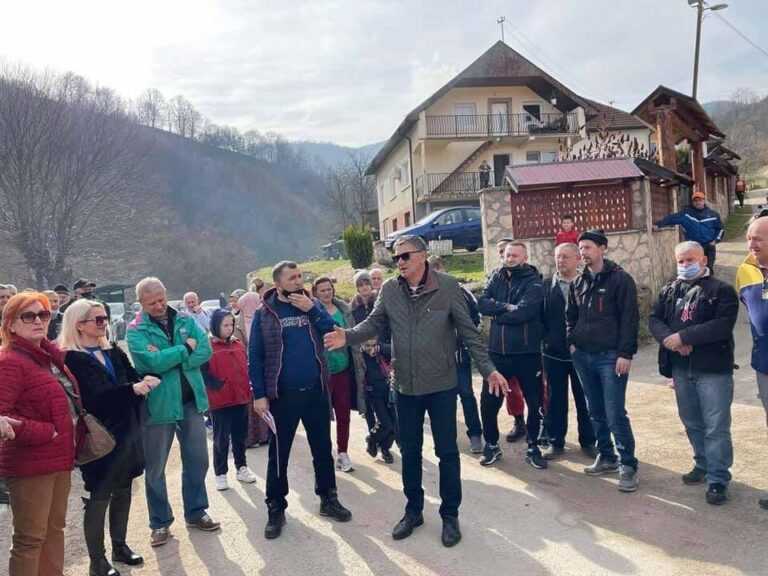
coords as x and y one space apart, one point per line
472 248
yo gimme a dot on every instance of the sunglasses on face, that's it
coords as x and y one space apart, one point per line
30 317
99 320
405 256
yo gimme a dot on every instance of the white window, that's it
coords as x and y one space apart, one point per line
405 175
533 157
549 156
465 109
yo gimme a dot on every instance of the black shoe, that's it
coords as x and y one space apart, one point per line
101 567
717 494
370 446
536 460
331 507
451 532
275 522
123 554
763 503
552 452
387 455
491 454
519 431
405 527
695 476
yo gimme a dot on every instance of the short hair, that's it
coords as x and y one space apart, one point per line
12 288
14 307
237 293
148 284
70 339
688 245
522 245
416 242
277 270
436 262
322 280
504 242
4 287
569 245
190 293
567 217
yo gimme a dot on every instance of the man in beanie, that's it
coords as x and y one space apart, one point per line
602 322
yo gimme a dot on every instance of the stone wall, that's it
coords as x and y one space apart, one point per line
496 212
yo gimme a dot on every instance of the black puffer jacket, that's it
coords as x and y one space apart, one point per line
602 311
517 331
555 336
704 313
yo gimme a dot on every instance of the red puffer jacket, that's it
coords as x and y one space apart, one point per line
226 375
31 393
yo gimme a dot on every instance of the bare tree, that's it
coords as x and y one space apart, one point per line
183 119
66 150
150 108
350 194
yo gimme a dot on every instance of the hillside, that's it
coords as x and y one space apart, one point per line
329 155
746 124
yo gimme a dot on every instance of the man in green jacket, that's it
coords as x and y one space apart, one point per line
425 310
172 347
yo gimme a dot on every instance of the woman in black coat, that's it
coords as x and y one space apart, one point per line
112 391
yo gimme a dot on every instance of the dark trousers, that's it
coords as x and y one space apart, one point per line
527 369
556 421
311 408
230 422
383 430
441 407
710 251
117 498
467 395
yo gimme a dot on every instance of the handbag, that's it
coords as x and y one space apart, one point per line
97 441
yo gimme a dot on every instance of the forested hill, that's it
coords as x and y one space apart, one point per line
745 122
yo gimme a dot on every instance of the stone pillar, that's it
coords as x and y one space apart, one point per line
496 212
640 203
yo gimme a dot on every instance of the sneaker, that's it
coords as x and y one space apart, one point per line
491 453
331 507
221 482
602 465
627 479
159 537
695 476
717 494
552 452
536 460
519 431
387 456
205 523
343 462
245 475
370 446
475 445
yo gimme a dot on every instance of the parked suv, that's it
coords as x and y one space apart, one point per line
460 224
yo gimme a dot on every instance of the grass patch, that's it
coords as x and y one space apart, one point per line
736 223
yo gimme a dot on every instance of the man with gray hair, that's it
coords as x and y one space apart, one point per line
173 347
693 322
192 308
426 311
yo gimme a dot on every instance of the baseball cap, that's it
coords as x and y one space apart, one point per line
61 289
83 283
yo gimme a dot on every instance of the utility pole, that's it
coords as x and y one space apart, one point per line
699 18
500 21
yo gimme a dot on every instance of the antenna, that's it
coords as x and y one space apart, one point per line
500 21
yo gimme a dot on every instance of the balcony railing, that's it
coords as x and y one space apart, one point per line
498 125
447 186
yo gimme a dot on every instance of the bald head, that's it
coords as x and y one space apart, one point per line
567 260
757 240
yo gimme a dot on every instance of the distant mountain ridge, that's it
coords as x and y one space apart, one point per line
746 127
329 155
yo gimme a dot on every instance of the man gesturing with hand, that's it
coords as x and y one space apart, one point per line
425 310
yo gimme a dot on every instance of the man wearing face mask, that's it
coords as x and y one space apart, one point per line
693 321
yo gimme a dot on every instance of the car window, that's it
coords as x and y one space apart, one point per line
472 214
451 217
117 308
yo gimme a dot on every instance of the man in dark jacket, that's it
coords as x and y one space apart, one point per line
556 357
700 224
693 320
513 300
289 378
602 320
425 311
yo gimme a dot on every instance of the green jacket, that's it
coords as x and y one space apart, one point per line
168 362
424 333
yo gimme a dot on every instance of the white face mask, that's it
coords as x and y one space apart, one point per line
688 272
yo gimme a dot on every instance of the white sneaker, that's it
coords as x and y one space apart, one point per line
221 482
244 474
343 463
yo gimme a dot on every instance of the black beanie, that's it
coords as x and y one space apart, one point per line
596 235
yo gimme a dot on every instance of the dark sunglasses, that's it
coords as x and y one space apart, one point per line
99 320
30 317
405 256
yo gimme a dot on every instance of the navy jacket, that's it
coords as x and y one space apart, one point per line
702 226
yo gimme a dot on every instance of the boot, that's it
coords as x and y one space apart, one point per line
275 520
119 510
100 567
93 524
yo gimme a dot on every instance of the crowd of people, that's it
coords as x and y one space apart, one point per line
282 354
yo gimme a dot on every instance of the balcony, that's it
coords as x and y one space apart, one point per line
501 125
451 186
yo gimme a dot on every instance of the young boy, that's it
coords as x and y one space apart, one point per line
377 395
568 233
229 394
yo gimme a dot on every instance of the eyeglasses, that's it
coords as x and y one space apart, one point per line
99 320
405 256
30 317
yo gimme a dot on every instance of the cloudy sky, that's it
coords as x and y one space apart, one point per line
347 71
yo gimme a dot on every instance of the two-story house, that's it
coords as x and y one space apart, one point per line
502 110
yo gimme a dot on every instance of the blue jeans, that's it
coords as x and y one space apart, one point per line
704 403
606 399
158 439
467 395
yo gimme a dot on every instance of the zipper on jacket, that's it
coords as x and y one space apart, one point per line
280 362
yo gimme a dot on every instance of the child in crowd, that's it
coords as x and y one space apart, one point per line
229 395
568 233
377 392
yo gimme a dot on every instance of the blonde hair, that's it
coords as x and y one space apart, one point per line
148 284
70 339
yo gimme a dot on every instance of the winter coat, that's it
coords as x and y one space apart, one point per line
602 312
704 313
750 286
555 342
360 311
226 375
171 359
30 392
518 331
702 226
356 362
118 408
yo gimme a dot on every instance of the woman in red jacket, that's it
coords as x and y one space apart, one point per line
229 395
38 461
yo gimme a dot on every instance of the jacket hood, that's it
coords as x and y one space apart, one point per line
522 271
216 319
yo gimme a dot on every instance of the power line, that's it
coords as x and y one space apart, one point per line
743 36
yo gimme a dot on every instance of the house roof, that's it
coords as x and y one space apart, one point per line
612 118
663 96
658 172
569 172
500 65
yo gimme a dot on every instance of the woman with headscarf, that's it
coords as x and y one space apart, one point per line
249 303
